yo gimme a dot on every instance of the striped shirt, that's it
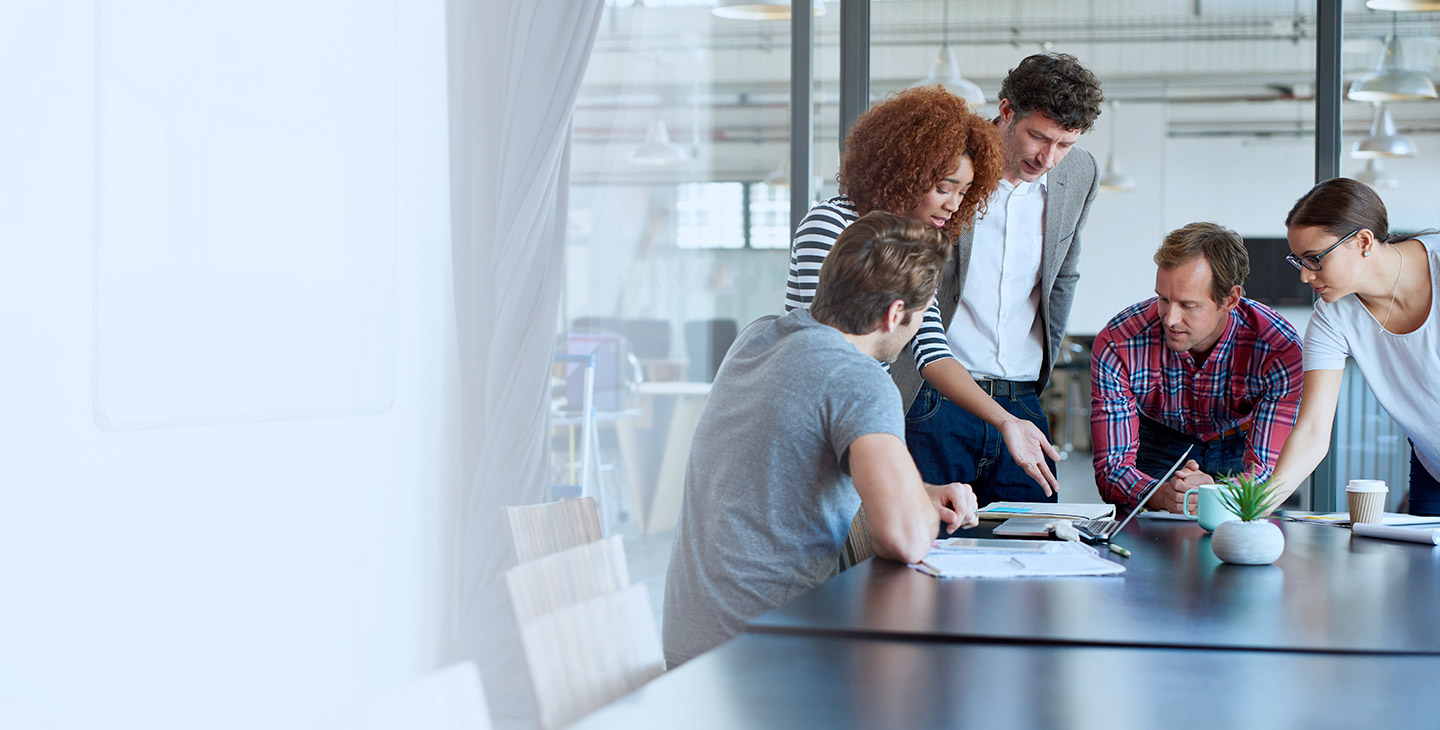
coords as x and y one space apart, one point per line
813 240
1253 375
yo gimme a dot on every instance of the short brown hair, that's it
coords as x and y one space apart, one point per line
901 148
876 260
1222 248
1056 85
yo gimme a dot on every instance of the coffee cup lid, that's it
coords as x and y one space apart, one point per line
1366 485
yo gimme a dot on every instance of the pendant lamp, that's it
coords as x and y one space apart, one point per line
1382 140
1391 81
1114 179
1375 177
759 9
657 149
945 71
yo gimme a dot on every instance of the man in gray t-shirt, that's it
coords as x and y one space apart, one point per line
802 426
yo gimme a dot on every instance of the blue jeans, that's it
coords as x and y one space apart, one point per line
1161 445
950 444
1424 488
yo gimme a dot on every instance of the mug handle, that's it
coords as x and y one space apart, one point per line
1185 504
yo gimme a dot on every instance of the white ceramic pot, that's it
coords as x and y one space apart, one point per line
1248 543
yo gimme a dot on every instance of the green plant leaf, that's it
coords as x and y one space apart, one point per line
1249 498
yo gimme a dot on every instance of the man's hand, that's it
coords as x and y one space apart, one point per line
1171 495
956 504
1029 447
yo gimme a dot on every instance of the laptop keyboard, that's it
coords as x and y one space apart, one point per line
1101 529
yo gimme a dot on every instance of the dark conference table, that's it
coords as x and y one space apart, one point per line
1328 592
797 681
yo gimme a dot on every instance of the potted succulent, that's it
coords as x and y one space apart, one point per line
1252 539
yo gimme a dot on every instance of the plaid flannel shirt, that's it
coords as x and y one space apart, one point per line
1253 375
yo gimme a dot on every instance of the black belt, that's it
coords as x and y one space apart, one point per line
1005 388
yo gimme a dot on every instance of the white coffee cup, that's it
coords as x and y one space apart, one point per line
1367 500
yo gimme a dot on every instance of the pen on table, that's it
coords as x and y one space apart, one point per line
932 569
1122 552
1016 562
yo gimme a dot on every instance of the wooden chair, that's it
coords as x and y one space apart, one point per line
584 655
544 584
857 545
537 530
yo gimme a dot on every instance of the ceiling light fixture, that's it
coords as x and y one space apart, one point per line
1114 179
1375 177
946 71
657 149
1391 81
759 9
1383 140
1403 5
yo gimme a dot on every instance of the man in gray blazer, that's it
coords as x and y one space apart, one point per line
1006 294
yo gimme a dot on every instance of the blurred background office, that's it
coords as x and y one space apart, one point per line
281 287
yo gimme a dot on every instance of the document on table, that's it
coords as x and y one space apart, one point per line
972 558
1048 510
1424 535
1343 518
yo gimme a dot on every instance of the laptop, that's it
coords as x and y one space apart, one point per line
1102 530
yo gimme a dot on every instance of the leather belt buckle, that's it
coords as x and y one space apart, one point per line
995 388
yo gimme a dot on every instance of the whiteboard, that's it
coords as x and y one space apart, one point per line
245 211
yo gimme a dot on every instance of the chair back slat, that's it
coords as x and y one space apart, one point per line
587 654
537 530
544 584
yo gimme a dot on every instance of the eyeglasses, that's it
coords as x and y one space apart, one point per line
1313 262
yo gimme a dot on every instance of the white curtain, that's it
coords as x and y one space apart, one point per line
515 69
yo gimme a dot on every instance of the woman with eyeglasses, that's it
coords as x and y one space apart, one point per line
1377 305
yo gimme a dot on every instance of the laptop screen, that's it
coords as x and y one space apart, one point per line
1140 507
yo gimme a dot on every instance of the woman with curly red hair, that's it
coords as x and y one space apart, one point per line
922 154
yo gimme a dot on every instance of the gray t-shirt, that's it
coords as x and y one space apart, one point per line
767 505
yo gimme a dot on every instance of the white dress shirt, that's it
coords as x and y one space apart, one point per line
996 331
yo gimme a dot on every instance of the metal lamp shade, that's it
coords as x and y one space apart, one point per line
945 72
1375 177
759 9
1382 140
657 149
1392 81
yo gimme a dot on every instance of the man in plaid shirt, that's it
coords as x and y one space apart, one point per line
1198 364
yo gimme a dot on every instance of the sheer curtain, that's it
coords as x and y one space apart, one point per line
515 70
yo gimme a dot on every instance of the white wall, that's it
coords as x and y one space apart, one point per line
222 576
1245 183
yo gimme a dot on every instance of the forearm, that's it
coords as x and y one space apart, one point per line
1307 445
1309 441
953 381
902 521
904 534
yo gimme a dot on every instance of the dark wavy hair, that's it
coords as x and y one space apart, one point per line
1341 205
1056 85
901 148
877 259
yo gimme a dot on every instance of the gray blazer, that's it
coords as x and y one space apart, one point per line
1070 188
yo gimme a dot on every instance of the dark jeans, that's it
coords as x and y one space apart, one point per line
1161 445
1424 488
950 444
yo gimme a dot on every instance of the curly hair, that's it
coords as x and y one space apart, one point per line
1056 85
901 148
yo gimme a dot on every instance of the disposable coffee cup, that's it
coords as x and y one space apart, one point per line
1367 500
